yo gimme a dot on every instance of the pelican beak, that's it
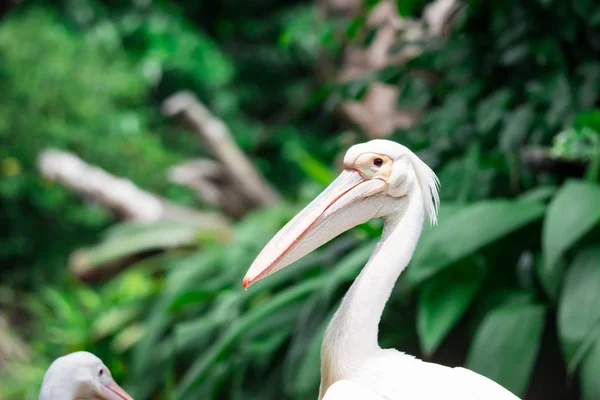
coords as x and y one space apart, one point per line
113 391
341 206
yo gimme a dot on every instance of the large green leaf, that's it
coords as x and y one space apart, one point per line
516 126
579 307
590 384
539 194
444 299
571 214
582 350
133 238
467 231
506 345
491 109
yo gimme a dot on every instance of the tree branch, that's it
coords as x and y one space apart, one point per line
142 208
210 182
117 194
217 137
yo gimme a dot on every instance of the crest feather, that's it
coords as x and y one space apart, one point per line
429 183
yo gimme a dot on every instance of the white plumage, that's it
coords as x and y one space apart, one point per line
80 375
380 179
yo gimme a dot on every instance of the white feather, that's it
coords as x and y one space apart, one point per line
353 365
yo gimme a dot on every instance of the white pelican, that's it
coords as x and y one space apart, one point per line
380 179
78 376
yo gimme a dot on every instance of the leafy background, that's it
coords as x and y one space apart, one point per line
508 284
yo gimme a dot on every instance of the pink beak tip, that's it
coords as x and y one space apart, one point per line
246 282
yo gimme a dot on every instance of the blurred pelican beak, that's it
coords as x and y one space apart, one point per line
113 391
341 206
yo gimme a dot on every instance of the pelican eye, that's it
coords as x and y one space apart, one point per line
378 162
101 372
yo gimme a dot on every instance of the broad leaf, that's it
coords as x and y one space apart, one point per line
467 231
539 194
583 349
444 299
579 307
491 109
590 384
506 345
133 238
571 214
516 126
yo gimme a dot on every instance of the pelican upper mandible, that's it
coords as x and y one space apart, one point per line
381 178
80 375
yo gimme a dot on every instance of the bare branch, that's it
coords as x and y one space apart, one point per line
117 194
212 185
123 197
217 137
540 160
377 114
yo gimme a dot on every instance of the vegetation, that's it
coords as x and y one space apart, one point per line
508 284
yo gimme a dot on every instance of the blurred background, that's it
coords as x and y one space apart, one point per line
149 149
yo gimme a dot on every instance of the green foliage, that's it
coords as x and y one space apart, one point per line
509 275
467 231
129 239
565 224
580 142
444 299
506 344
578 312
589 387
95 107
73 317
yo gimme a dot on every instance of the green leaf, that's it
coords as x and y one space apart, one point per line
539 194
129 336
408 8
561 104
515 54
571 214
133 238
444 299
114 319
506 345
467 231
312 166
201 367
582 350
588 92
590 384
579 307
309 373
516 127
309 325
491 110
193 297
349 266
590 119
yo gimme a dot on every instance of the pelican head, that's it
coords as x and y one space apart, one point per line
377 181
80 375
